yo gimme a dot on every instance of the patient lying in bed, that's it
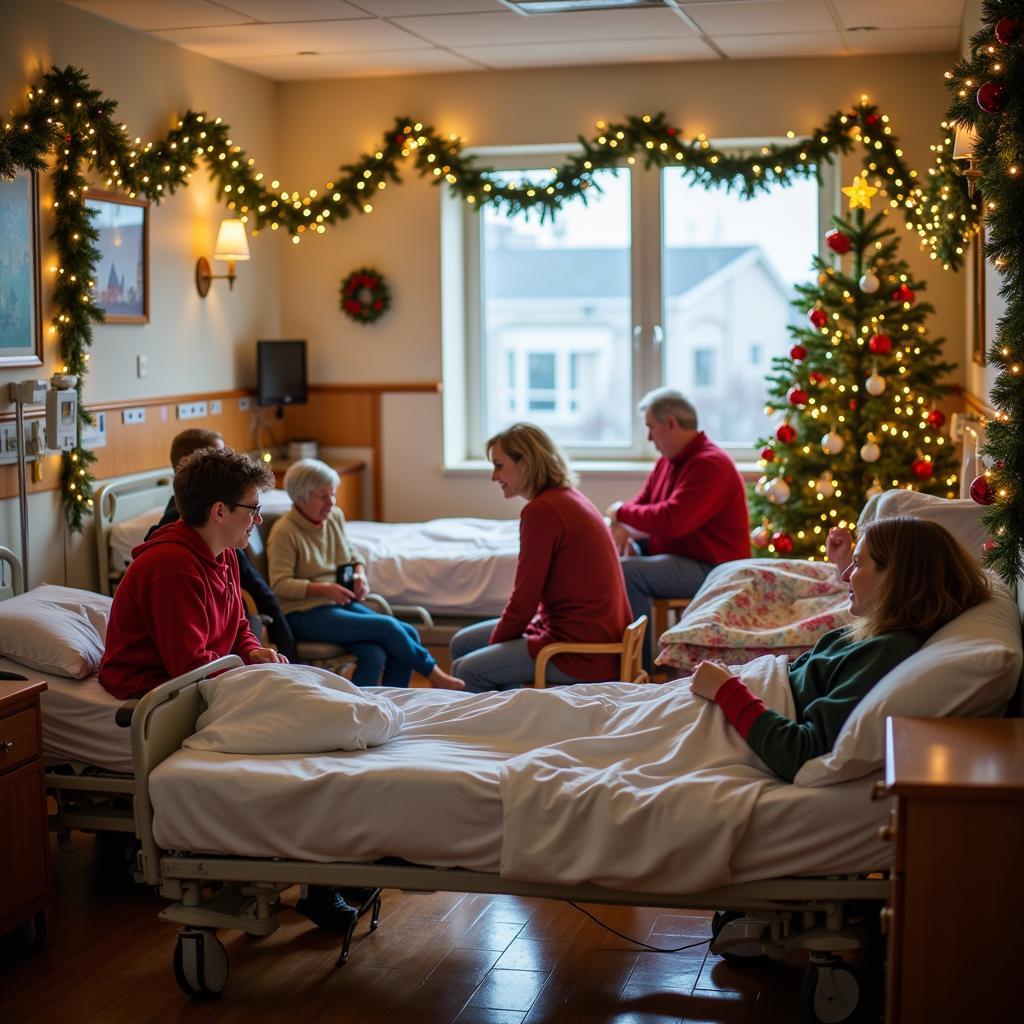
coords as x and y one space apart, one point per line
907 578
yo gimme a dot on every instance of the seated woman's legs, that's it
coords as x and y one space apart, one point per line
471 638
503 666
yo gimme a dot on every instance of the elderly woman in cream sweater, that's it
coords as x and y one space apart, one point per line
305 549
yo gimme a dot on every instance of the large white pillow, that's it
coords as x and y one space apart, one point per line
969 668
960 516
290 709
55 629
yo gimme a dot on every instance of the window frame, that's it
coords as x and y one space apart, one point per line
462 308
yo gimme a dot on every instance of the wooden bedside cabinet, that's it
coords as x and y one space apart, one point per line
957 901
26 874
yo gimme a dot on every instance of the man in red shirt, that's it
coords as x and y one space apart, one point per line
689 516
179 606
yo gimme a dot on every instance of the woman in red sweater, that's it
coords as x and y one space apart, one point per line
569 584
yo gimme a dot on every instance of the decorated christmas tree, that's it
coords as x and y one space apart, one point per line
856 393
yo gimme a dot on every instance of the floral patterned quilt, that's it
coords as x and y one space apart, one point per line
757 606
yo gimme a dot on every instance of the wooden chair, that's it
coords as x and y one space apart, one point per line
630 649
665 612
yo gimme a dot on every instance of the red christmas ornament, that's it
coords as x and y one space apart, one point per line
816 377
785 433
838 242
871 119
1008 30
853 405
936 419
880 344
922 468
768 454
998 464
818 317
903 294
798 352
992 97
796 395
783 542
982 490
989 545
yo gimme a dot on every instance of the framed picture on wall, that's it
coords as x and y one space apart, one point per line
122 274
21 329
978 270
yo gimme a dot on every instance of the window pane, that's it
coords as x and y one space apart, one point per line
729 266
557 317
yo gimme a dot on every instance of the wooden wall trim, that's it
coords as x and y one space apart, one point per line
428 386
976 404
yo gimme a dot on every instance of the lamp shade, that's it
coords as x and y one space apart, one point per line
232 243
964 143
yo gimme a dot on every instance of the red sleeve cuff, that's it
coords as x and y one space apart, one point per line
741 707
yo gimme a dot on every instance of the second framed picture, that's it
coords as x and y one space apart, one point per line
122 274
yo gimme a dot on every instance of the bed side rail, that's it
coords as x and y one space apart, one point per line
163 719
12 579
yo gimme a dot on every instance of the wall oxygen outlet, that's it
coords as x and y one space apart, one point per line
191 410
134 415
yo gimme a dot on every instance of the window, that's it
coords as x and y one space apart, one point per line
567 323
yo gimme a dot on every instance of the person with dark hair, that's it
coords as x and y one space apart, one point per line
690 515
278 630
908 577
568 583
179 606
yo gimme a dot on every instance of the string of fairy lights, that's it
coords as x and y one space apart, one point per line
67 121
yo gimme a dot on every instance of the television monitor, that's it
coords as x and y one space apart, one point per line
281 372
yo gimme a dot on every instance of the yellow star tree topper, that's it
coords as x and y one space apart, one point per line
860 193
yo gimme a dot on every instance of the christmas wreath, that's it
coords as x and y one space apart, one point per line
364 295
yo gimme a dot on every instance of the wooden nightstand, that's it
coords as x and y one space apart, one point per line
350 489
957 899
26 874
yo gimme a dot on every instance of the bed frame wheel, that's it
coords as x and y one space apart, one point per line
830 991
727 926
200 963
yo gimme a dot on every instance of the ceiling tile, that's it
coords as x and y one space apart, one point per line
355 65
628 51
291 37
506 28
896 40
160 14
905 14
295 10
401 8
788 44
774 16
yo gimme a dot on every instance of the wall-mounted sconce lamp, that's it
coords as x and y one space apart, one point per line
963 149
232 245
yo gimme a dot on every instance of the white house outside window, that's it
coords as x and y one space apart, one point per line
567 323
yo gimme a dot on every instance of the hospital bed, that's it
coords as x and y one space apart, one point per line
809 866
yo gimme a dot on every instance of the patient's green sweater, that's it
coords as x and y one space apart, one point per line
828 682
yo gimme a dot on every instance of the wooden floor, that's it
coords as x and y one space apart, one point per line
439 957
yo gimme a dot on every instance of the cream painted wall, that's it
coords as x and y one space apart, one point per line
325 124
190 343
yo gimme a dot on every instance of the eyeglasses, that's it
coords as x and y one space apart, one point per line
253 510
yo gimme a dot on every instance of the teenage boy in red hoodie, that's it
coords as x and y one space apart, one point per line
178 606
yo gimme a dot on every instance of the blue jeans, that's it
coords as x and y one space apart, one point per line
485 666
386 649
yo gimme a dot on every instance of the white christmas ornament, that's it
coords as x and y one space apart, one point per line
777 491
761 537
875 384
832 443
870 452
825 486
869 283
873 490
761 486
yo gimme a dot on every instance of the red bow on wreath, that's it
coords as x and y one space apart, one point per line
364 295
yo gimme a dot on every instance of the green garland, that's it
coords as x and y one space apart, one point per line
72 122
1000 150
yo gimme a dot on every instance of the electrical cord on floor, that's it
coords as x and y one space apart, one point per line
637 942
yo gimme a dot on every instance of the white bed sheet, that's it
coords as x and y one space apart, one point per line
432 796
78 721
450 566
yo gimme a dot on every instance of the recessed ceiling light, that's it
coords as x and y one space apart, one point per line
307 53
862 28
572 6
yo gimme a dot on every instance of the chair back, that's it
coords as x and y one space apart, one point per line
631 667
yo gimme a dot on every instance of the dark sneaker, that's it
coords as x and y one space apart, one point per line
358 897
328 909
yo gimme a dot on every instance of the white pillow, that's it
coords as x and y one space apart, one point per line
290 709
969 668
960 516
55 629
